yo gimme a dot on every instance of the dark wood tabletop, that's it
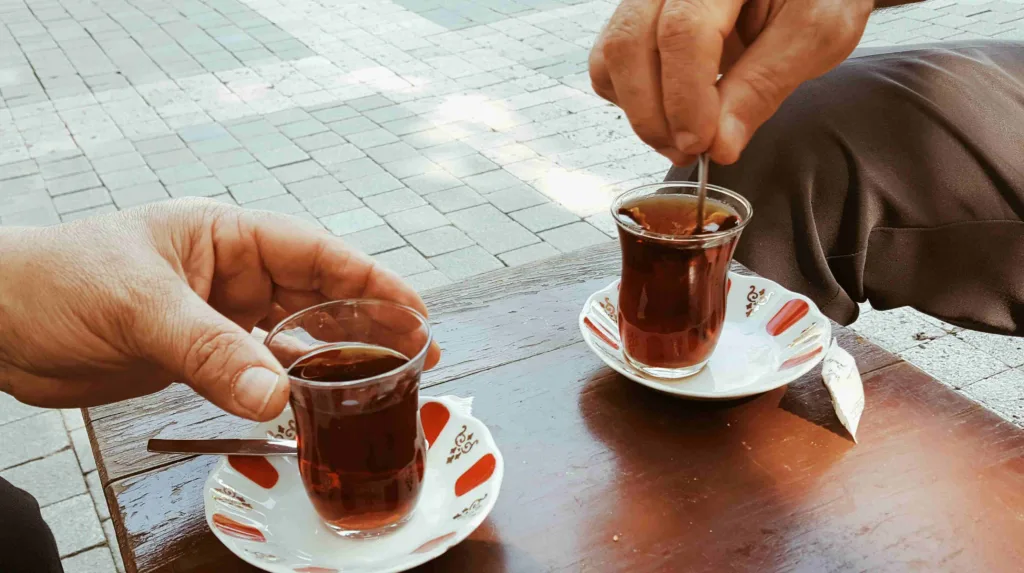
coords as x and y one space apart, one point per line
603 474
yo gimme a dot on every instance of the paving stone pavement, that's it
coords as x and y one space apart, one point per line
445 137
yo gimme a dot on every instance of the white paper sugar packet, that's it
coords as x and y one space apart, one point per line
839 371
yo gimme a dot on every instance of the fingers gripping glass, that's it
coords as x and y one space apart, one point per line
354 368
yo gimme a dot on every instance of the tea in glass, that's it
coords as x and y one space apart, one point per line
672 294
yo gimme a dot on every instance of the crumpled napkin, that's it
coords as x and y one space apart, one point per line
839 371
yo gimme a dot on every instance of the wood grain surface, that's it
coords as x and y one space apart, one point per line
761 484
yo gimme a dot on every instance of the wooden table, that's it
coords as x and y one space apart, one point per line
605 475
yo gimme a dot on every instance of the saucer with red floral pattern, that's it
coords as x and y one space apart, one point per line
771 337
257 506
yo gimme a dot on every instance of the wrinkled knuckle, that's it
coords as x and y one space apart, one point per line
619 43
677 27
210 354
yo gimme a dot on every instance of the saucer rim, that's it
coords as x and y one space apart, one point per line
627 370
456 408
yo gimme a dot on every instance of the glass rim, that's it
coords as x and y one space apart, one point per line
692 239
278 328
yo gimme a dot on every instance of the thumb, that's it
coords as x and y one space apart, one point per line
781 58
219 359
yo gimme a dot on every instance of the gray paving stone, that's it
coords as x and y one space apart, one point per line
179 174
430 182
424 281
1002 393
92 480
371 138
297 172
128 178
543 217
336 113
74 524
953 361
355 169
111 535
455 199
31 438
492 229
18 169
603 222
468 165
373 185
375 240
315 187
528 254
202 132
351 221
416 220
81 200
86 213
392 152
492 181
242 174
205 187
448 151
411 167
280 156
279 204
897 330
465 263
404 261
65 167
352 125
256 190
12 410
319 141
80 440
393 201
72 418
302 128
573 237
159 144
1007 349
72 183
230 158
120 162
369 102
439 241
51 479
98 560
331 156
217 145
331 203
171 158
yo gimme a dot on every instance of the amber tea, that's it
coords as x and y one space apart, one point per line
672 294
361 449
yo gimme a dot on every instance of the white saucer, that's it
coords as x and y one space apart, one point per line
272 524
771 337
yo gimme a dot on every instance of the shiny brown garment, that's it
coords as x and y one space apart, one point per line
896 178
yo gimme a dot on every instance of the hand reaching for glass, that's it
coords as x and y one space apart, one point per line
121 305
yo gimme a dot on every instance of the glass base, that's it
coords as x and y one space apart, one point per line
666 373
368 533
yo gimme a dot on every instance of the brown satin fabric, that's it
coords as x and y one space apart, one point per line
898 179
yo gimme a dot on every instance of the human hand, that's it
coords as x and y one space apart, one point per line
119 306
659 60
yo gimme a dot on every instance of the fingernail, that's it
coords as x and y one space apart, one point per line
254 388
733 130
688 143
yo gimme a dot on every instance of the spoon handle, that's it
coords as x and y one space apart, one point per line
232 447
